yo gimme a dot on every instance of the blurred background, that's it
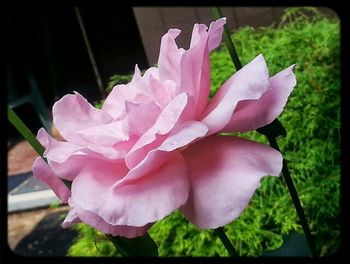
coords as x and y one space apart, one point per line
57 50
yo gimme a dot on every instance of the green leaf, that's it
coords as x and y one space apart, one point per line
25 131
143 246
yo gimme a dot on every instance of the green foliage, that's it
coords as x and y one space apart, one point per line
91 243
311 147
55 204
118 79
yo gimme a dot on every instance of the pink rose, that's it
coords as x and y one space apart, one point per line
154 146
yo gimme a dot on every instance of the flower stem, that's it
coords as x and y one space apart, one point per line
270 131
227 38
17 122
296 201
226 242
25 131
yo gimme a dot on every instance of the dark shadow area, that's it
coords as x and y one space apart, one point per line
47 43
115 40
48 238
30 117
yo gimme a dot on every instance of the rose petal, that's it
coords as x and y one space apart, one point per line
143 201
87 127
78 215
61 156
142 90
224 174
162 92
115 230
114 104
43 173
58 151
107 134
43 137
195 69
250 82
137 74
169 57
67 159
141 116
199 31
252 114
98 136
216 29
72 216
166 121
151 162
188 133
73 113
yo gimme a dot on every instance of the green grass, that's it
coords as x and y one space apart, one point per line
311 147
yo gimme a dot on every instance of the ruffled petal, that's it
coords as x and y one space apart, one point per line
78 215
252 114
147 92
174 113
73 113
72 216
89 127
160 191
248 83
114 104
141 116
224 174
64 158
199 33
43 173
133 92
56 150
216 29
67 159
162 91
106 134
195 69
169 57
188 132
137 74
195 63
